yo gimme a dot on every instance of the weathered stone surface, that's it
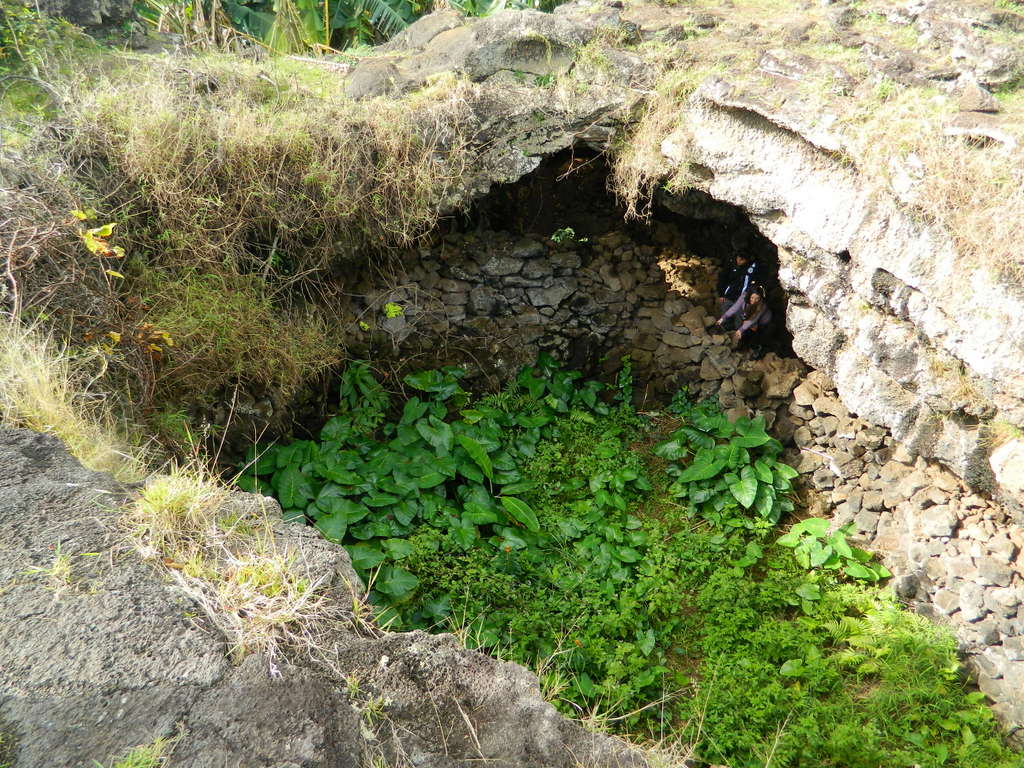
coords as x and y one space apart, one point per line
89 13
974 98
991 571
553 295
1007 462
118 657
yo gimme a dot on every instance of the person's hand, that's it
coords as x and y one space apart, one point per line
737 335
718 322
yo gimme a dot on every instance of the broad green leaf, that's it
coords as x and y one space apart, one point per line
645 641
785 471
534 420
585 684
792 668
293 487
521 512
751 555
751 440
247 483
858 571
332 528
430 480
819 554
396 582
465 534
763 471
514 488
671 450
627 554
365 556
437 433
478 514
381 500
510 539
478 454
764 503
338 428
405 511
262 462
816 526
294 515
340 476
744 487
413 410
702 468
808 591
861 555
471 471
838 542
397 548
341 508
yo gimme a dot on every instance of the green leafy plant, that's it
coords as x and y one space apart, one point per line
815 547
285 26
733 477
392 310
630 563
25 34
362 400
564 234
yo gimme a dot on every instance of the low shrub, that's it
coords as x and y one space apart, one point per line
218 330
245 165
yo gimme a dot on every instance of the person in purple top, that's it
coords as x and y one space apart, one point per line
755 317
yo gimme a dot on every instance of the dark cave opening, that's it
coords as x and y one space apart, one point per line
571 191
550 263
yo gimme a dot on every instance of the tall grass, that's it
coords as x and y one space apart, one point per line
46 387
253 585
242 165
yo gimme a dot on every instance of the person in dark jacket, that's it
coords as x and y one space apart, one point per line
734 282
755 319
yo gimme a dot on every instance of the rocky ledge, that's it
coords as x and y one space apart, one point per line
107 655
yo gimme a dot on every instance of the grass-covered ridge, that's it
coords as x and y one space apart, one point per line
633 560
216 200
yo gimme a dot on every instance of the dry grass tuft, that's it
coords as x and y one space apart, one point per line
257 591
638 164
47 388
978 193
999 432
245 165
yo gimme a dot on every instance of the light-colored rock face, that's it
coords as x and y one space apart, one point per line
916 339
1008 468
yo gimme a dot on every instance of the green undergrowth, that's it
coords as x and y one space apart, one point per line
227 329
633 561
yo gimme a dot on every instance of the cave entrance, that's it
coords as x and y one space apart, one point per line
549 263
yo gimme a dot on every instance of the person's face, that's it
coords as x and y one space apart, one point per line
741 261
755 299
